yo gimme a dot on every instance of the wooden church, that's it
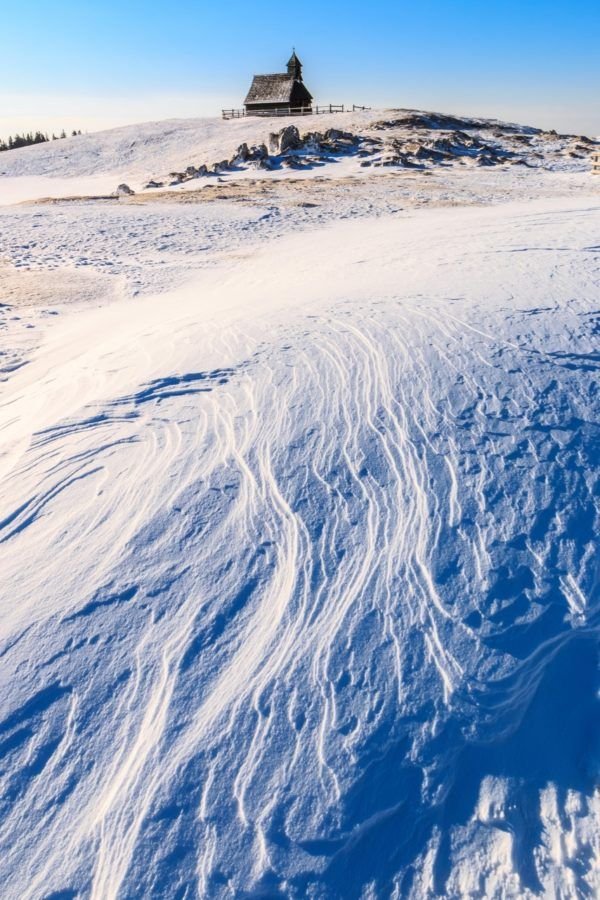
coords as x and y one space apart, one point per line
269 94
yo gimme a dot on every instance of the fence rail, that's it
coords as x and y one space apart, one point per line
285 111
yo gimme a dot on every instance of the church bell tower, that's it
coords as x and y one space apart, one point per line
294 67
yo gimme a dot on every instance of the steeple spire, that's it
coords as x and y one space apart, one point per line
294 66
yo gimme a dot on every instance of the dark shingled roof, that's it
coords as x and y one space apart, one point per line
271 89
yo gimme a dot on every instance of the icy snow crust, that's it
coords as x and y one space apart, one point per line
300 584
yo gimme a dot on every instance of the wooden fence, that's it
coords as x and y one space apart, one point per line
285 111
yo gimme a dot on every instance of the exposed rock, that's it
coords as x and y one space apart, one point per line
124 190
312 138
340 138
286 139
240 156
154 184
260 152
582 147
369 147
222 166
261 163
437 121
291 162
463 138
397 159
417 150
345 143
444 148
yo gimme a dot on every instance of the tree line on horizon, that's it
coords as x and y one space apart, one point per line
37 137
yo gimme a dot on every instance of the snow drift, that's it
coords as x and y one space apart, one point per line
300 594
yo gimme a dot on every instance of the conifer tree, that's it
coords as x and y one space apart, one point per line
13 142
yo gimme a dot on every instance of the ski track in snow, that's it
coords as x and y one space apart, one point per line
306 604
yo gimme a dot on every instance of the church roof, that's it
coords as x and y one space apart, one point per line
271 89
293 60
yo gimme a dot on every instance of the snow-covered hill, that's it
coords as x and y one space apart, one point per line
299 545
96 163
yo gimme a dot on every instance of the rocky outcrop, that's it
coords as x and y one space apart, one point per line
240 156
259 152
286 139
245 154
410 140
286 148
262 163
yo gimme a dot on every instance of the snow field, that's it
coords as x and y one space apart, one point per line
310 603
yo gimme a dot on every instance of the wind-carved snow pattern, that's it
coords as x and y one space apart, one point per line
306 604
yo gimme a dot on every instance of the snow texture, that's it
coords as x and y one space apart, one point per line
299 544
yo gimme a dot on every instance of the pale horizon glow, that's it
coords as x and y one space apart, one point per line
30 112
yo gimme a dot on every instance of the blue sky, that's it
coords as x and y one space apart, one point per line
94 65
